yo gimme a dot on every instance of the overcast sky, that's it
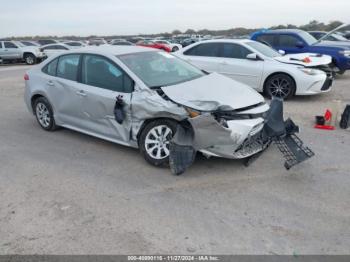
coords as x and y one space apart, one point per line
107 17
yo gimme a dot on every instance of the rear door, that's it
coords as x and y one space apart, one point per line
102 81
205 56
234 64
62 88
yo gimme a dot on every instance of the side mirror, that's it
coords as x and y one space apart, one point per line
282 52
299 44
253 56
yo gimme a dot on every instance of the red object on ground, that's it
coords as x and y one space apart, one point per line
328 118
26 77
328 115
324 127
152 44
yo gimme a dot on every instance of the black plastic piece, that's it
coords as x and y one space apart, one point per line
293 150
345 118
182 153
118 110
274 126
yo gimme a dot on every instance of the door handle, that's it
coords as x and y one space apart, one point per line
50 83
81 93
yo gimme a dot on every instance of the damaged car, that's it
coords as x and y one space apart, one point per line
263 68
154 101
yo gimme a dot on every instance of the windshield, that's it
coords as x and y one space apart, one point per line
264 49
158 69
309 39
338 37
19 44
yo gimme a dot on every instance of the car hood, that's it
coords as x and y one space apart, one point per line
340 44
213 92
33 49
305 59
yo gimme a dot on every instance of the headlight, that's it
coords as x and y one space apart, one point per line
193 113
345 53
310 71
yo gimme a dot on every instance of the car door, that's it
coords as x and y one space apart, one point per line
102 82
234 64
62 89
291 44
11 51
204 55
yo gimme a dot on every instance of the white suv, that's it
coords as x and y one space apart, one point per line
16 51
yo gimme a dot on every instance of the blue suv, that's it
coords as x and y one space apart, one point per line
297 41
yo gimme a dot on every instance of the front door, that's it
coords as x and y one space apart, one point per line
102 81
234 64
11 51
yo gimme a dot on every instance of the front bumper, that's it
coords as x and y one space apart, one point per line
314 84
240 139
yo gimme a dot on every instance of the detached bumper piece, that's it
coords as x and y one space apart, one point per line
182 153
293 150
283 134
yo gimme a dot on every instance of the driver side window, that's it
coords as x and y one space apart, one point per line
100 72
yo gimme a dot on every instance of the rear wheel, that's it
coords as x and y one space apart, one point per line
175 48
154 141
280 85
341 72
44 114
30 59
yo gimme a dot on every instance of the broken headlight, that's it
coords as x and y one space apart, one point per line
192 113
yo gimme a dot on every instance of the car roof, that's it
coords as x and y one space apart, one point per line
278 31
55 44
114 50
226 41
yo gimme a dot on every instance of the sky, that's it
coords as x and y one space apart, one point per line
129 17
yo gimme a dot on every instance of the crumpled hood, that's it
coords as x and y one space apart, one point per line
297 59
213 92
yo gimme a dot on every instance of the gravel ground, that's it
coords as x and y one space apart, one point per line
68 193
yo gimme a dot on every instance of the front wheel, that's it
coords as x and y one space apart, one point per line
280 85
341 72
175 48
30 59
154 141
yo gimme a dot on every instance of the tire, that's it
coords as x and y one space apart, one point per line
156 152
175 48
280 85
44 114
341 72
30 59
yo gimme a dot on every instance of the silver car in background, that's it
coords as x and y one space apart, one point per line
147 99
16 51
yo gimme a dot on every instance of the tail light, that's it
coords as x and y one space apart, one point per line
26 77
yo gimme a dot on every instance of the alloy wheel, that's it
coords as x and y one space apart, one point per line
280 87
157 142
43 115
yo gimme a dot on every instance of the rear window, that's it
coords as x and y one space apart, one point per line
51 68
266 39
68 67
208 49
